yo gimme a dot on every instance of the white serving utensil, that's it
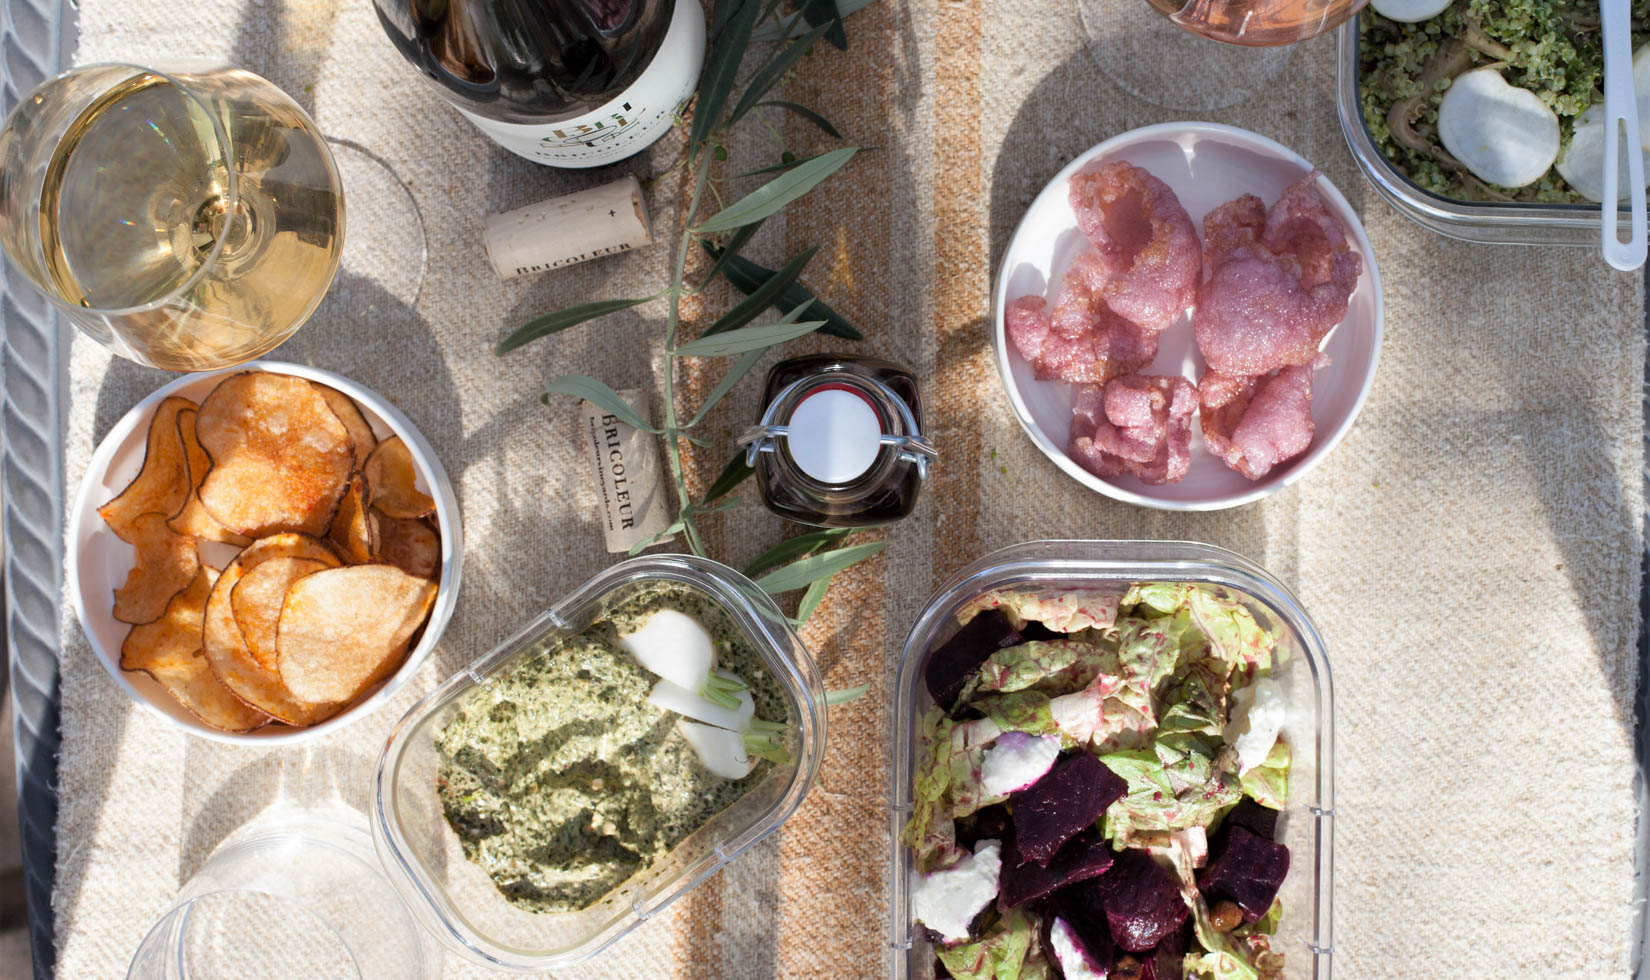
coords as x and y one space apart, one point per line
1621 114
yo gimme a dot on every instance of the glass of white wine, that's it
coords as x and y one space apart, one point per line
188 220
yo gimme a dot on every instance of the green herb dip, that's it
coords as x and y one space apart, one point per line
559 778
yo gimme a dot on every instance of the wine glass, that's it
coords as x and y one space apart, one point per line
1163 51
188 220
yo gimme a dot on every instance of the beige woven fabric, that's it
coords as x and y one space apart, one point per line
1470 553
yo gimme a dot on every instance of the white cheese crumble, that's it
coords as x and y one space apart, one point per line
947 901
1016 761
1258 713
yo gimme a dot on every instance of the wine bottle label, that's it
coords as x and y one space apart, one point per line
632 121
567 230
634 503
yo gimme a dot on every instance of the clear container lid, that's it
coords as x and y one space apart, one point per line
1306 824
458 902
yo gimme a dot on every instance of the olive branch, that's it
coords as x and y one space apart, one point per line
809 561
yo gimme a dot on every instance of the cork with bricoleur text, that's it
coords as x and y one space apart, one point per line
635 498
568 230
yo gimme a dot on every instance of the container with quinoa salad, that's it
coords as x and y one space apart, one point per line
1493 100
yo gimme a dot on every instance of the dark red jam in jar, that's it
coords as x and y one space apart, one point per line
840 443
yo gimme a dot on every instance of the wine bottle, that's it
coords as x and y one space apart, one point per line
567 83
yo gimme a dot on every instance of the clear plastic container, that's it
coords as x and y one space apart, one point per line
454 899
1307 823
293 893
1495 223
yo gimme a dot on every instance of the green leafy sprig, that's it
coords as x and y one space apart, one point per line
810 561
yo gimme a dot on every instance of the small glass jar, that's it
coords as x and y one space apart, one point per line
840 443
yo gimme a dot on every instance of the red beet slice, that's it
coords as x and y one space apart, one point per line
1168 960
1141 899
954 661
1262 821
1084 856
1069 798
1249 870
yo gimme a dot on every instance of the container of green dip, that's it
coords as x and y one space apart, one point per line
535 807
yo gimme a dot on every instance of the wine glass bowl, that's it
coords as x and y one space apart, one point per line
187 220
1259 23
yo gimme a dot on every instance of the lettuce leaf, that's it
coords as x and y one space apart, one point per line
1061 610
1174 784
1234 638
1000 954
930 832
1268 782
1050 666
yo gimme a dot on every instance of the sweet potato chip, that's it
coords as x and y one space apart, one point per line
411 546
281 459
344 629
166 561
349 413
355 528
232 662
169 650
392 477
257 597
193 518
162 484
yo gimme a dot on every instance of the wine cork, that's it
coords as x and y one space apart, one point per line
635 504
568 230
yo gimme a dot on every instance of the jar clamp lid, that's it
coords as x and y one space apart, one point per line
844 418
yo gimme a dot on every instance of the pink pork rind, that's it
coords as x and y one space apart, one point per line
1083 341
1254 424
1147 243
1137 424
1279 281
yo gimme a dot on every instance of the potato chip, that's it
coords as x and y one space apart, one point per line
193 518
256 600
355 528
392 477
281 459
344 629
287 545
411 546
169 650
166 561
162 484
232 663
349 413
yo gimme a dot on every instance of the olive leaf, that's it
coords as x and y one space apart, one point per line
845 694
793 548
735 473
774 70
764 295
598 394
811 600
747 277
740 368
778 192
736 241
721 68
803 572
806 113
750 338
825 12
550 323
775 32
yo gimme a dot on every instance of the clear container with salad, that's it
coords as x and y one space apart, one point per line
1112 759
593 768
1514 155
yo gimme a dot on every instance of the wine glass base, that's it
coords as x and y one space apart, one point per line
1153 59
384 241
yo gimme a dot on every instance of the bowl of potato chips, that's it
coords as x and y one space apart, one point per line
264 554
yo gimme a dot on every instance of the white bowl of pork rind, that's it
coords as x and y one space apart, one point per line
1205 164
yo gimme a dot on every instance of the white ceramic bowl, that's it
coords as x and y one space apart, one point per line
98 561
1206 164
